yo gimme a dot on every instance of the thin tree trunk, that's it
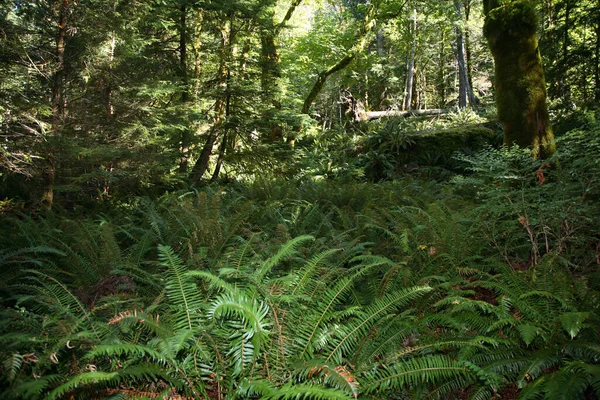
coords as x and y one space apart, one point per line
410 73
466 95
58 111
468 44
201 166
380 43
441 72
563 83
58 105
183 73
271 67
363 34
597 61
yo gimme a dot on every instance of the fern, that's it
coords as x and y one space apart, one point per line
285 251
430 370
182 292
372 314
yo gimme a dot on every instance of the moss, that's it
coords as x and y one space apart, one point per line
519 79
445 143
437 148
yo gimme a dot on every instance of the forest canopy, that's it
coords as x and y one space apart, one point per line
316 199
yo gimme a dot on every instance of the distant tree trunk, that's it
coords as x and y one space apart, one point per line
58 105
271 65
358 48
465 92
223 75
597 61
410 73
441 72
380 43
520 85
468 46
563 83
183 73
223 146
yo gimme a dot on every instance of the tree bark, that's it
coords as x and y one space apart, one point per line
519 76
597 62
410 73
468 45
58 105
465 91
363 33
183 73
441 72
223 75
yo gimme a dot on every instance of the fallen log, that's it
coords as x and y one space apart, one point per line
371 115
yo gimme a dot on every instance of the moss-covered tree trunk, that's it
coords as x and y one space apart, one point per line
510 30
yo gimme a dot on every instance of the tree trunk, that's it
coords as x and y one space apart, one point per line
597 62
520 85
363 34
58 105
410 73
465 92
380 43
201 166
183 73
442 73
468 45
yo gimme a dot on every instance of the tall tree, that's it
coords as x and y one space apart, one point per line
410 70
510 30
465 90
58 102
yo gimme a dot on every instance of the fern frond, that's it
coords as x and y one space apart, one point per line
86 378
182 292
308 392
288 249
429 370
371 315
539 361
125 349
304 275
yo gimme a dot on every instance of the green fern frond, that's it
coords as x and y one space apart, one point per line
214 281
537 364
304 275
372 313
12 365
288 249
416 372
588 352
84 379
329 300
307 392
125 349
338 377
183 293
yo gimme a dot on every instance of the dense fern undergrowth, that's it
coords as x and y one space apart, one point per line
481 286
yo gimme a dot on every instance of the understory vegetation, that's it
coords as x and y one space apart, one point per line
300 199
478 283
